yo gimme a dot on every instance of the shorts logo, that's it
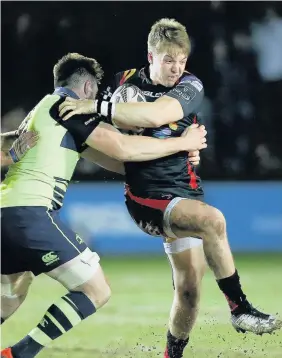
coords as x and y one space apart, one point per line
50 258
149 228
78 239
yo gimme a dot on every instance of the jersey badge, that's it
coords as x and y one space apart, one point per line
126 75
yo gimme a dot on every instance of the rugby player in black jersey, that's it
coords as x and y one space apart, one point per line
164 196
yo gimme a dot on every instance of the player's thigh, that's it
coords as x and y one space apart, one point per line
189 217
42 240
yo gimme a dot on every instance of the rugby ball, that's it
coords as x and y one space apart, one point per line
127 93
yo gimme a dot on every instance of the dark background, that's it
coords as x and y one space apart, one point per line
242 109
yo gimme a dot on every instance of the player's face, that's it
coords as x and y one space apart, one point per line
166 68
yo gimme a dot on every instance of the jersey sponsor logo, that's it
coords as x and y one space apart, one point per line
154 95
183 94
162 133
194 81
90 120
50 258
197 85
173 126
126 75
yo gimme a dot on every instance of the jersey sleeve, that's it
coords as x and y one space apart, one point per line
189 92
109 89
79 126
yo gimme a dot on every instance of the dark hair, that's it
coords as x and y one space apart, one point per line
71 67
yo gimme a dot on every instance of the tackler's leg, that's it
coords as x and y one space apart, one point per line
14 289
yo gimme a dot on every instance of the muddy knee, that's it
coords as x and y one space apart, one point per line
189 294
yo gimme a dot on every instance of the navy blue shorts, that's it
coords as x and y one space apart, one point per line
35 239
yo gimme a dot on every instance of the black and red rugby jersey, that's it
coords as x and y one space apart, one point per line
173 175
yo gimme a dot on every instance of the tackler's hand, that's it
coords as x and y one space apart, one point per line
71 107
22 145
194 157
194 138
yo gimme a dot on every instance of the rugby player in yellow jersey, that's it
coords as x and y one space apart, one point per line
34 239
165 196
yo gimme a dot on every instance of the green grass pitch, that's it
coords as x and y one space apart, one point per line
133 323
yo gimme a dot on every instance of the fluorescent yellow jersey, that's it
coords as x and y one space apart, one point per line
42 176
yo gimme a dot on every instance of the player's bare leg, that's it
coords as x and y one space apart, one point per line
188 269
194 218
88 291
14 289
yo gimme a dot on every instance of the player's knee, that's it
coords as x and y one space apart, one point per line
84 274
217 222
188 286
188 292
98 295
191 296
97 289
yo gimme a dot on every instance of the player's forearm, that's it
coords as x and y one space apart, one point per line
6 160
106 139
103 160
139 149
147 115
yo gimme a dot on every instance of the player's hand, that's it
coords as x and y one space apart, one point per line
194 138
72 106
22 145
194 157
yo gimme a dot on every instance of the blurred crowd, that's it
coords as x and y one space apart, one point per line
236 52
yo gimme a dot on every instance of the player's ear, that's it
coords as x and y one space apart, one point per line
88 89
150 57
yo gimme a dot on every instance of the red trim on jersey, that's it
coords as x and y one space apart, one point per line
193 179
151 203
